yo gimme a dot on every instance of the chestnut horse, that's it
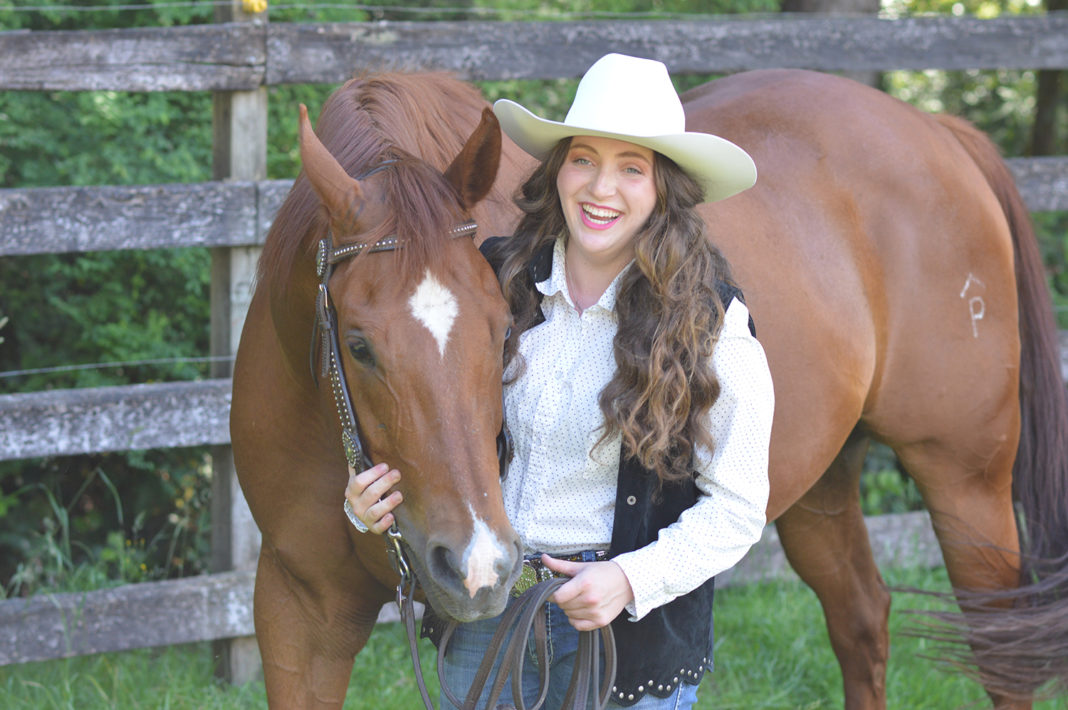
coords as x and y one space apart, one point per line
895 281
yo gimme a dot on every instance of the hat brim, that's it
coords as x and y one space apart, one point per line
722 168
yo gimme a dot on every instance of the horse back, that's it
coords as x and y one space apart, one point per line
876 260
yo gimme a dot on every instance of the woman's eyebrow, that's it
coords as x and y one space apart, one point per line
624 154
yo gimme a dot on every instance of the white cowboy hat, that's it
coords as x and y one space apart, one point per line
632 99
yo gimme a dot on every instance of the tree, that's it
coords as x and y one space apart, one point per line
1050 99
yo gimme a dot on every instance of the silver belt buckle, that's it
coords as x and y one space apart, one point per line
529 576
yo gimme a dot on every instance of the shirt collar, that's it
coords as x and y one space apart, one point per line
556 284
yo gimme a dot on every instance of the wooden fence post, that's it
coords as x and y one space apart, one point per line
239 124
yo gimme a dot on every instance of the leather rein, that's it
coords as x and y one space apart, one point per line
523 615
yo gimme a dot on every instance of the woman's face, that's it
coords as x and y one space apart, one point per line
607 193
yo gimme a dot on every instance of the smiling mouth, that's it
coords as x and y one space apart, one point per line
599 217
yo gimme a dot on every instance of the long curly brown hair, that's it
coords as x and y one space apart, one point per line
668 308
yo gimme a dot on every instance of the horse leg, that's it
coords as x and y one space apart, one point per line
972 513
826 542
309 630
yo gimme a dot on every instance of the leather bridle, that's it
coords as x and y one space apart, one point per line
522 614
329 343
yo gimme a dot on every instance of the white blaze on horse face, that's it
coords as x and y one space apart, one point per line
435 307
481 556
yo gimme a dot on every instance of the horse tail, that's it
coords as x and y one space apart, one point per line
1040 474
1026 647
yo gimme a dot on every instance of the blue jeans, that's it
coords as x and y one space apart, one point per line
468 646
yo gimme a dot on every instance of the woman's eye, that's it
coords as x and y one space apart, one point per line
360 350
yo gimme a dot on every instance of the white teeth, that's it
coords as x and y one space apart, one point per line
599 214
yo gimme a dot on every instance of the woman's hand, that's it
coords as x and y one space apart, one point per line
596 593
366 493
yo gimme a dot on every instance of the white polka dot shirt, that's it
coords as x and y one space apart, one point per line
560 491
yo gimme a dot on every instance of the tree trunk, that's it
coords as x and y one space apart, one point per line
1049 100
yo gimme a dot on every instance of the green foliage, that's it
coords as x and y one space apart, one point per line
73 309
884 488
104 307
100 308
58 562
283 148
549 98
68 525
103 137
979 8
1052 229
888 491
100 14
1000 102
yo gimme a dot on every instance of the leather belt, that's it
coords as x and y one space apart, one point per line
534 571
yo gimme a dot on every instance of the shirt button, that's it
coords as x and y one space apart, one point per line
631 500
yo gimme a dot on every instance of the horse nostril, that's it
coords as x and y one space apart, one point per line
444 566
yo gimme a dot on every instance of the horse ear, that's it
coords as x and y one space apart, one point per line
473 171
338 191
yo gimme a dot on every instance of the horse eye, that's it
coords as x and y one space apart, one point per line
360 350
508 333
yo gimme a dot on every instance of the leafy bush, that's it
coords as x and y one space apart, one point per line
83 522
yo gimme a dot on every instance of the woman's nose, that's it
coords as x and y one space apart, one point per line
604 183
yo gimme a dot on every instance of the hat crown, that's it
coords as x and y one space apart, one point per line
627 95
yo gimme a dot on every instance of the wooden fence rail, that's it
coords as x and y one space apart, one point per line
219 606
236 60
243 56
101 419
216 214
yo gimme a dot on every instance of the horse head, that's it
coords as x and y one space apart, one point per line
421 331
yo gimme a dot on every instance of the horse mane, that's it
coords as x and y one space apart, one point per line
421 120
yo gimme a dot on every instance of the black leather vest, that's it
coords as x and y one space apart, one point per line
671 644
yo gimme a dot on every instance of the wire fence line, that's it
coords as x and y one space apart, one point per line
459 11
112 365
357 8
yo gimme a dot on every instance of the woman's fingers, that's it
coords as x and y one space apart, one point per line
379 517
367 494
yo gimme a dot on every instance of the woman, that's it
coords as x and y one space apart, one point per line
638 400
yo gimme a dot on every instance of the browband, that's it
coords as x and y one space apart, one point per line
329 255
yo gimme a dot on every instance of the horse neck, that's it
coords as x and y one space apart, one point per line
292 315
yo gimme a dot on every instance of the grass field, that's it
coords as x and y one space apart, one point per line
771 652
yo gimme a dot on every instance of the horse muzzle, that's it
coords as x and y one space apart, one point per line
470 580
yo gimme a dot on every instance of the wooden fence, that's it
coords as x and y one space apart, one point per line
237 59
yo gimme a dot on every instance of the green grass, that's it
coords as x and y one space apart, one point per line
771 652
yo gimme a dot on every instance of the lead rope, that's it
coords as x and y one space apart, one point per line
525 617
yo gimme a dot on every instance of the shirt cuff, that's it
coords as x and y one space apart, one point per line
645 586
